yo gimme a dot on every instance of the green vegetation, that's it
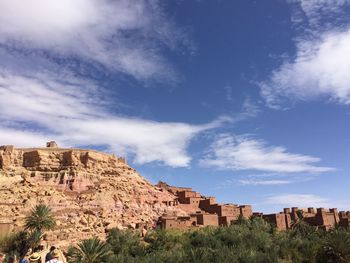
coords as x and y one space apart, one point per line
246 241
89 251
41 218
16 245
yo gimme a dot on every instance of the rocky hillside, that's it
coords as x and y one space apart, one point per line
89 191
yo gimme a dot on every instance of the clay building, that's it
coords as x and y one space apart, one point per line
172 189
344 218
189 197
180 222
282 221
206 219
321 218
6 226
201 210
246 210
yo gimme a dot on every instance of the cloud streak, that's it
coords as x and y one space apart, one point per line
298 200
231 152
319 15
122 35
319 68
50 54
65 112
263 182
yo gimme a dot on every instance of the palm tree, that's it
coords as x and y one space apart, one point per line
301 226
337 247
19 243
89 251
41 218
34 239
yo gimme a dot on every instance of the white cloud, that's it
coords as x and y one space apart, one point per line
65 112
298 200
247 181
122 35
40 97
230 152
22 138
320 15
150 141
320 69
266 179
37 93
229 90
249 108
263 182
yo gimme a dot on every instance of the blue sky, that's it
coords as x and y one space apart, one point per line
244 100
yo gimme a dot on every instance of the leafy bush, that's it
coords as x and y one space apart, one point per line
245 241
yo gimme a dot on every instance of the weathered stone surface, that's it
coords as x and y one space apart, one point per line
90 192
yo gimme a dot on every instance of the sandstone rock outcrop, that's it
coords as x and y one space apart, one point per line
89 191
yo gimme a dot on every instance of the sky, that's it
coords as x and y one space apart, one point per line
248 101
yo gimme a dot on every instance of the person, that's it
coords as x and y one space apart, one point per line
12 259
26 256
35 258
48 256
55 257
2 257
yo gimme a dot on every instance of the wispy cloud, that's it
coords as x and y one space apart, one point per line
302 200
125 36
64 111
249 108
320 66
320 69
228 90
22 138
319 15
232 183
263 182
50 53
298 200
231 152
265 179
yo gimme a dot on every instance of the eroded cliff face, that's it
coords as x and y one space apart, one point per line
89 191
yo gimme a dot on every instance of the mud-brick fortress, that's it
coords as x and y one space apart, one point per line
201 210
204 211
320 218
